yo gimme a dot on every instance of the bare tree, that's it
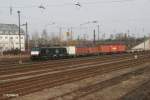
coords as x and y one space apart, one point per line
44 38
111 36
35 39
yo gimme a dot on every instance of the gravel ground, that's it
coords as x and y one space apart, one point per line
119 90
140 93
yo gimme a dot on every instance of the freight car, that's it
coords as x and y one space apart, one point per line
112 48
74 51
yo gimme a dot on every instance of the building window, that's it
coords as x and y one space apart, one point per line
11 37
21 37
1 37
6 37
17 37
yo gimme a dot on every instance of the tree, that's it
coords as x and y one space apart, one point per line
44 38
35 39
111 36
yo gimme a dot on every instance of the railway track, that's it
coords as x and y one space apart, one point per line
14 73
15 64
84 91
26 86
140 93
45 71
4 61
6 64
57 65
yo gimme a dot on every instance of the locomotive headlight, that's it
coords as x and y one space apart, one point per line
34 52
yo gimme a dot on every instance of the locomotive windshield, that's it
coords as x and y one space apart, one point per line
35 49
57 51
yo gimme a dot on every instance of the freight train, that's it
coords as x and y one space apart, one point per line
75 51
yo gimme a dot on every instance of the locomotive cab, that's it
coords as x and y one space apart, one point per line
35 52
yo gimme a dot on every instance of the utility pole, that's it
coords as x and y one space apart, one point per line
68 35
144 41
27 37
20 59
94 36
71 33
84 37
98 32
60 37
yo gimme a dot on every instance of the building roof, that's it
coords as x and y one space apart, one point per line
143 46
10 29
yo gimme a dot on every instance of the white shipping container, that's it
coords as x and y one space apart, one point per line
71 50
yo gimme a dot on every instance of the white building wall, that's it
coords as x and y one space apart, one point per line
8 42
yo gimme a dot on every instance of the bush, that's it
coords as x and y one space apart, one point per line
12 52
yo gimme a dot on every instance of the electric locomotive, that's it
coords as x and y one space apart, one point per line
48 52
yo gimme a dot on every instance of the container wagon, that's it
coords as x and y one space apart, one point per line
82 51
93 51
112 48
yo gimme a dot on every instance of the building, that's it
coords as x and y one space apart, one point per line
143 46
9 37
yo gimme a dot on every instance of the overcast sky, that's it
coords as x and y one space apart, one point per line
113 15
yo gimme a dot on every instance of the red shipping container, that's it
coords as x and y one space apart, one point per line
93 50
104 49
112 48
81 51
121 48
